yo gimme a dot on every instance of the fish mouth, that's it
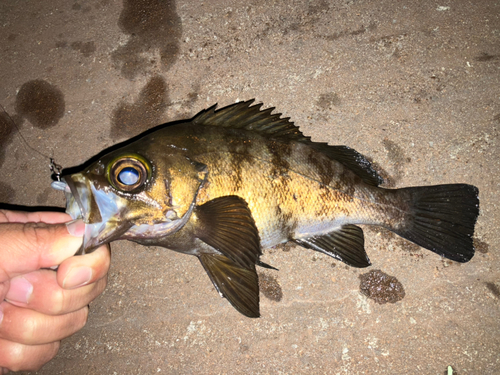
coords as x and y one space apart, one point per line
76 207
81 204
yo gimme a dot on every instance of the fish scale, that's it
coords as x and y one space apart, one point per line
294 203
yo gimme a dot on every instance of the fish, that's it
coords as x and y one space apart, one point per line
230 182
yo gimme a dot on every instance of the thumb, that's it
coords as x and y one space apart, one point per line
26 247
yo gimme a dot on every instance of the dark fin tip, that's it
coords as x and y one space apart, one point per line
265 265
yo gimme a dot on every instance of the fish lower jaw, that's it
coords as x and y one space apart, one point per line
90 238
159 229
154 230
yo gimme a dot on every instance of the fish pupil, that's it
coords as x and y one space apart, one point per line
128 176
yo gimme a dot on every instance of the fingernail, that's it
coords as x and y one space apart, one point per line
20 290
76 227
77 277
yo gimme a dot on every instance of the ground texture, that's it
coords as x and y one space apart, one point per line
413 85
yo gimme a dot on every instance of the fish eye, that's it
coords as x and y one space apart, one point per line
128 176
128 173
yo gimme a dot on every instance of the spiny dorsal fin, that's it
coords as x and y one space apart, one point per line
346 244
240 286
245 116
226 224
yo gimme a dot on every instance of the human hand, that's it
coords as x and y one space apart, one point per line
39 306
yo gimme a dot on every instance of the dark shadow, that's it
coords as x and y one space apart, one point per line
17 207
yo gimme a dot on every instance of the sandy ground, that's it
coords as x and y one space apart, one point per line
413 85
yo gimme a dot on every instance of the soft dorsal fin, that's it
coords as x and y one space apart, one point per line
351 159
245 116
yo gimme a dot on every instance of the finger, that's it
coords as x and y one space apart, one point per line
30 327
48 217
41 292
77 271
19 357
31 246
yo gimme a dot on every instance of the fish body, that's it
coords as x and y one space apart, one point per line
228 183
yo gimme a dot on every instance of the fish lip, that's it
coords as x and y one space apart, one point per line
74 191
81 204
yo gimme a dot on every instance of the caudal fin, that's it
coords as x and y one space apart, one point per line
442 219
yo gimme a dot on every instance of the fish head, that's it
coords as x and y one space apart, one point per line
131 194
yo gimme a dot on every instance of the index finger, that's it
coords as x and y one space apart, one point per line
49 217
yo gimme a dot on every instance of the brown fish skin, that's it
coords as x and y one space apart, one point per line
292 191
239 179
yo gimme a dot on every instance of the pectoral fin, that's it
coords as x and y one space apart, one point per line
227 225
346 244
240 286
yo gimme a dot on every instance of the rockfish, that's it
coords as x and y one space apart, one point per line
230 182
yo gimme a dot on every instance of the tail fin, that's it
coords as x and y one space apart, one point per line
442 218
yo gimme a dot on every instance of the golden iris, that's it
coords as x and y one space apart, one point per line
128 173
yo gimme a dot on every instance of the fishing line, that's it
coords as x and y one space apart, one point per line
55 168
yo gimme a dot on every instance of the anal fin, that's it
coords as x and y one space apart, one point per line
346 244
240 286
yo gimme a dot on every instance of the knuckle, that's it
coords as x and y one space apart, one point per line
58 303
25 326
32 330
38 235
29 329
